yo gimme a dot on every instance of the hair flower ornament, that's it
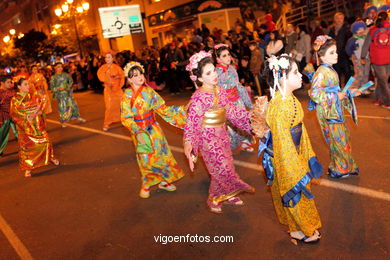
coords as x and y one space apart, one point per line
279 66
320 40
194 60
131 65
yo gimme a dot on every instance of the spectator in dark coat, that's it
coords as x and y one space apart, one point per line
341 33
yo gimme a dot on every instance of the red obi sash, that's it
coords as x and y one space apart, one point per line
232 94
146 119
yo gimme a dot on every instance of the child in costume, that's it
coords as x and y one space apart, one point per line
35 147
354 49
330 101
206 132
61 86
237 95
139 105
7 91
288 160
38 83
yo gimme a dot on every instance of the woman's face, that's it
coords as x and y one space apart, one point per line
209 75
272 36
330 57
224 58
294 78
34 70
58 69
137 80
108 58
24 87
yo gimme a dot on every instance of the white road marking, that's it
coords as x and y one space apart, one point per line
19 247
324 182
373 117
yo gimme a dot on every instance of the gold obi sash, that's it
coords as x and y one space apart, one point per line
214 117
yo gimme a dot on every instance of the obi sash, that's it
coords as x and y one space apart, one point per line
145 120
232 94
292 197
214 117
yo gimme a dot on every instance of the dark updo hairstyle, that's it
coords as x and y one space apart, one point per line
133 69
199 71
323 48
268 73
20 81
220 50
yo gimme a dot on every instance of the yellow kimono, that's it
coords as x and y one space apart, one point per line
291 165
155 159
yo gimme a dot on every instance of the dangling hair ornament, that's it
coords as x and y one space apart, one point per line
193 64
131 65
279 66
319 41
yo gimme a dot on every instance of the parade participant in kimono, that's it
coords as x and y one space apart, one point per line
330 101
288 160
205 132
7 91
61 86
237 94
113 78
38 82
139 107
35 147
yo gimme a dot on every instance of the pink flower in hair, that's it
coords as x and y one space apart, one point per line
194 60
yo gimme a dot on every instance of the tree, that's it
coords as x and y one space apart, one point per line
35 46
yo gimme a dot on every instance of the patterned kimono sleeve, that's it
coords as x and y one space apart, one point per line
236 115
68 82
127 115
54 85
193 127
19 117
328 101
288 166
242 90
174 115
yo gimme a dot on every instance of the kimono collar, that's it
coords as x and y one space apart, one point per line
136 94
224 68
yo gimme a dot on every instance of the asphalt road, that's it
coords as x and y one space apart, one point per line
88 207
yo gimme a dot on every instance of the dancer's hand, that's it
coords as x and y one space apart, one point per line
356 92
30 117
187 152
341 95
363 61
140 140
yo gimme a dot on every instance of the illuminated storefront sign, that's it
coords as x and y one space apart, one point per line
120 20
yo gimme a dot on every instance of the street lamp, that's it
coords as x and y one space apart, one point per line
6 38
69 10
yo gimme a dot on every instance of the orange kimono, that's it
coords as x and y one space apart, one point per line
39 84
113 78
35 147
